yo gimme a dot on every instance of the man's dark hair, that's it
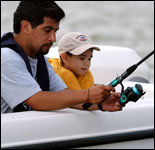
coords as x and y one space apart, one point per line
35 11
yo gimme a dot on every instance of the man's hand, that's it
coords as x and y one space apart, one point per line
98 93
112 103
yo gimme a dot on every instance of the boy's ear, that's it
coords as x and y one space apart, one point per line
64 57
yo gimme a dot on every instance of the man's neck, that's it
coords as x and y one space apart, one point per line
20 40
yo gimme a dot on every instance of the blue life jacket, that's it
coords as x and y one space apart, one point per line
42 72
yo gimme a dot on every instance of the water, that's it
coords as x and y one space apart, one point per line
119 23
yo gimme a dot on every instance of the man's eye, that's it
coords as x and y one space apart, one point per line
47 31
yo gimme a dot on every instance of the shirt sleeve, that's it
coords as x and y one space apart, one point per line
17 84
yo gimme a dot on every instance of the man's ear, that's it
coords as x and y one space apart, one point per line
26 26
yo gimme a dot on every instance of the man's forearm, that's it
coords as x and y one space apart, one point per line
57 100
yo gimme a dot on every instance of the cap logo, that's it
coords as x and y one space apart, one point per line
82 38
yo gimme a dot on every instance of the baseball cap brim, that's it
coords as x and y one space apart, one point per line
81 49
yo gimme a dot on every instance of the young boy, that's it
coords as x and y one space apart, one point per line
76 51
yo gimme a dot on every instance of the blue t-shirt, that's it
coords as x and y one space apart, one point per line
17 84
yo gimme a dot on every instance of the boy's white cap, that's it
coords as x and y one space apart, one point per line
76 43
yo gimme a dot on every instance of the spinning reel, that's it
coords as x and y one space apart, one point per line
131 94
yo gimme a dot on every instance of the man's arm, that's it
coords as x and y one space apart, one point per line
66 98
56 100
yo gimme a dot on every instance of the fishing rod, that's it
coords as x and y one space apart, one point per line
130 94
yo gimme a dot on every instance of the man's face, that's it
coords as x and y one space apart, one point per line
42 37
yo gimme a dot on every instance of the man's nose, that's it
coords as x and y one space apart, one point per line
52 37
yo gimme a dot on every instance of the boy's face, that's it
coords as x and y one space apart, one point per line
79 64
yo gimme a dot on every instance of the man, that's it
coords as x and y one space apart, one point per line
27 79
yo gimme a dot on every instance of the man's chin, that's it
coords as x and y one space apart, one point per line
44 51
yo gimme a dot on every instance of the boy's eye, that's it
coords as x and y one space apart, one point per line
82 58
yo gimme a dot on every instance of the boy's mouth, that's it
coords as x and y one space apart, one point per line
84 69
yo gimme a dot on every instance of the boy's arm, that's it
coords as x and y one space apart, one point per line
79 106
110 104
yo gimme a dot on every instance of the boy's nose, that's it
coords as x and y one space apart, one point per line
87 63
